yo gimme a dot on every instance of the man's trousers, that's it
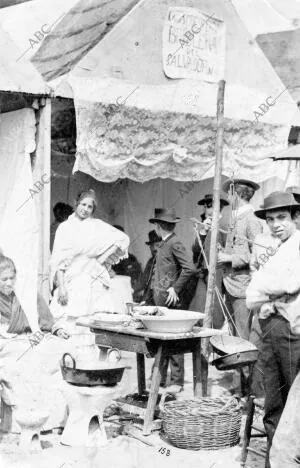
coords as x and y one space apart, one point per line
281 363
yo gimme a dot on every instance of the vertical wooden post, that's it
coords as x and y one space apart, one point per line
42 173
211 281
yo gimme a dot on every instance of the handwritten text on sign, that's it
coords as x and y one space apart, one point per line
193 45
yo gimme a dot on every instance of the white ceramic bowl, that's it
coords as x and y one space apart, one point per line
174 321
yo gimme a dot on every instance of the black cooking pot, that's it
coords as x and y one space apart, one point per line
103 373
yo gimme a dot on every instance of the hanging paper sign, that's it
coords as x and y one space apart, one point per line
193 45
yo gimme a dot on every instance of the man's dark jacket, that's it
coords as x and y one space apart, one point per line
174 267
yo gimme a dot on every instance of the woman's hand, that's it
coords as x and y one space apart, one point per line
62 296
61 333
36 338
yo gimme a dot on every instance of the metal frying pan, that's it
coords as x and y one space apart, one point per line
103 373
234 352
236 360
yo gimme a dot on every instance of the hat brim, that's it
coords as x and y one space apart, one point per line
153 242
227 183
203 202
154 220
262 213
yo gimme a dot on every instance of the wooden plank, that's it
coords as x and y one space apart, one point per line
179 346
197 370
129 343
204 374
197 332
155 382
141 376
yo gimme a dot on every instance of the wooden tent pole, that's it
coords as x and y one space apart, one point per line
211 281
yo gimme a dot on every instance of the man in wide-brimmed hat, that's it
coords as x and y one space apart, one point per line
172 270
207 203
145 291
242 226
274 294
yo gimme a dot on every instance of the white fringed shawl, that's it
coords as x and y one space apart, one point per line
79 244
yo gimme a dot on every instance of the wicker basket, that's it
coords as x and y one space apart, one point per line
203 424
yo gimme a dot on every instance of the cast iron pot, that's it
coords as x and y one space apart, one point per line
103 374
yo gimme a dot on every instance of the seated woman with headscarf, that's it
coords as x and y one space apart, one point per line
29 376
84 250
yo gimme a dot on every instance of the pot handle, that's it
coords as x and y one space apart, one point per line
114 349
72 359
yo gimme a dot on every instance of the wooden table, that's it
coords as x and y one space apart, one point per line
157 345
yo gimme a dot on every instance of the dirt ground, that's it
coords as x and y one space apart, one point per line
126 452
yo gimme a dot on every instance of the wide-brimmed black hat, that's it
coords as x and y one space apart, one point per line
275 201
249 183
168 215
295 191
209 198
153 237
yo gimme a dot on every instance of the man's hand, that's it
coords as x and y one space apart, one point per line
61 333
62 296
205 226
172 297
224 257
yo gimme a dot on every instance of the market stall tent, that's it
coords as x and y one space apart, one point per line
167 127
24 159
164 133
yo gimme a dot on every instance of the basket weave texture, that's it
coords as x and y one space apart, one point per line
203 424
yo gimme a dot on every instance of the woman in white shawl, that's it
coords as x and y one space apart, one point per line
84 249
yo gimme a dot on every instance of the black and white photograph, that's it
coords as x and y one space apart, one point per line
149 233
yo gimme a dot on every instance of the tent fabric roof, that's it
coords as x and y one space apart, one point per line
267 16
282 49
167 127
290 153
75 27
16 76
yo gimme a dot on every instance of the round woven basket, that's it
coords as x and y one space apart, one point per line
203 424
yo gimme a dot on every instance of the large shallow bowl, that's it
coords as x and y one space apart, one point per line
173 321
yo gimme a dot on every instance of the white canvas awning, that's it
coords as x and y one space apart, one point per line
166 128
15 76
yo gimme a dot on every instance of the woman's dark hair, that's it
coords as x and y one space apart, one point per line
62 211
7 263
169 227
87 194
244 191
